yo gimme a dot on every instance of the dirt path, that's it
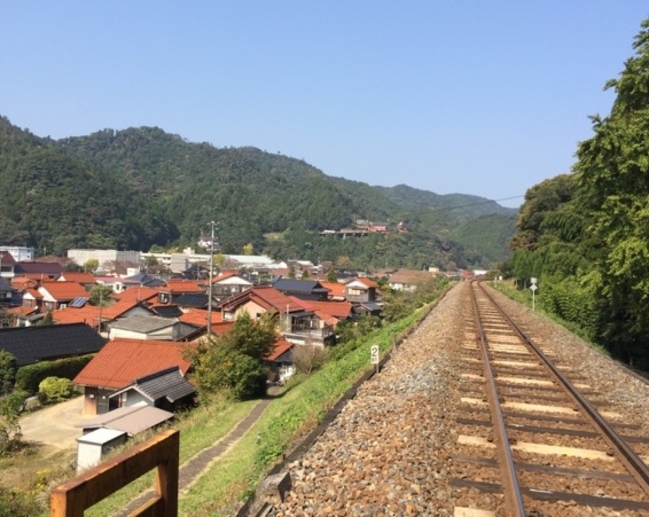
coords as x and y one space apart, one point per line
193 468
54 427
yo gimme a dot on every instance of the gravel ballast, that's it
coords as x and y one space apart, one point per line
388 451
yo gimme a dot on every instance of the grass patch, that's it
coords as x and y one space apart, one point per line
199 429
303 403
235 475
525 298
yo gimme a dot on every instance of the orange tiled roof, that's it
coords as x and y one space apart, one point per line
274 298
198 317
266 296
182 286
22 310
87 314
367 282
137 294
62 291
35 293
223 275
121 361
117 309
340 310
280 346
82 277
335 288
23 282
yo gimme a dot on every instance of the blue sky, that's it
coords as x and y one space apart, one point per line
482 97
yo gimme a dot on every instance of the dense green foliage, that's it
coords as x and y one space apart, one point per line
142 187
52 201
586 236
10 431
233 362
29 377
55 389
7 372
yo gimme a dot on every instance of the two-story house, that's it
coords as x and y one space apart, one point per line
57 295
229 283
294 322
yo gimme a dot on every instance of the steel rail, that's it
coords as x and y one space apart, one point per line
636 467
511 487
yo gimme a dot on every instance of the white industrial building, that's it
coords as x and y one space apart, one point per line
19 253
104 256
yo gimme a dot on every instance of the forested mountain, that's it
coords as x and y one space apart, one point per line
142 186
586 235
50 200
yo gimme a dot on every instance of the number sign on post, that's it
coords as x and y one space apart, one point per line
374 354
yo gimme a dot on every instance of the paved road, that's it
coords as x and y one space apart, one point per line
53 426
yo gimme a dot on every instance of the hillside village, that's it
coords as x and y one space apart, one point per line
144 321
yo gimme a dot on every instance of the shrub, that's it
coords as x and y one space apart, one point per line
29 377
7 372
307 358
56 388
17 504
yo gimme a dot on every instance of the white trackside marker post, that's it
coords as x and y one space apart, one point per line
374 355
533 287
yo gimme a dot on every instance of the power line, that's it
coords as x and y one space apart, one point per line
443 209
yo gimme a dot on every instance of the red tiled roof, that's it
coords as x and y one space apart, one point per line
223 275
198 317
280 346
35 293
121 361
335 288
182 286
137 294
87 314
7 258
62 291
340 310
23 282
82 277
366 281
266 296
22 311
117 309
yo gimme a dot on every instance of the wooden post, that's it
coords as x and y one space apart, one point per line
72 498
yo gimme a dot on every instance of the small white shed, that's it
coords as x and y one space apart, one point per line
92 447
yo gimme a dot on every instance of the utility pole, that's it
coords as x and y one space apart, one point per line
209 288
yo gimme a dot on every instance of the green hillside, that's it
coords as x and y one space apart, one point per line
142 186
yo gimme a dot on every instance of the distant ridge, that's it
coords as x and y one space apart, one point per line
140 187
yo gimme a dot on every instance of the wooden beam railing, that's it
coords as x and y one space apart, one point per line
72 498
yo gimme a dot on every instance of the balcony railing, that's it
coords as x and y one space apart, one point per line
72 498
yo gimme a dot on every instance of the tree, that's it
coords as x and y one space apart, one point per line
100 295
233 362
613 186
308 357
10 431
331 276
248 249
8 370
48 319
91 265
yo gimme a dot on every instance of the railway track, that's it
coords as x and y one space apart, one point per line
537 437
417 439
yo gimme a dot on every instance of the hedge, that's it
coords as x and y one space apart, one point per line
29 377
